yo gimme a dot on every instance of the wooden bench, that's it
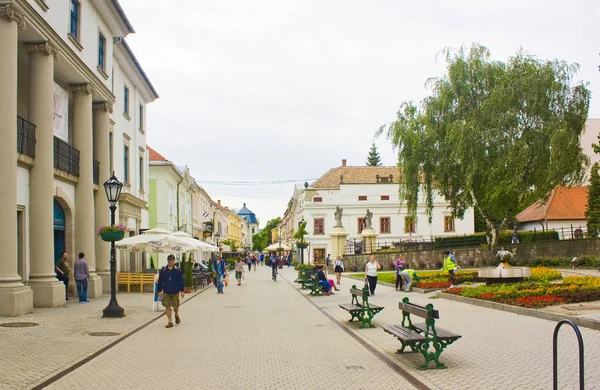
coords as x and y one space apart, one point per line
305 278
423 338
362 310
135 280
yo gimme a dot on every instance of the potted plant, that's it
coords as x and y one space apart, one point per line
111 232
188 275
299 235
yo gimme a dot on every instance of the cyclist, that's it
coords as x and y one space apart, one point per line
274 265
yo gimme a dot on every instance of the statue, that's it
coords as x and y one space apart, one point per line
505 257
338 217
369 219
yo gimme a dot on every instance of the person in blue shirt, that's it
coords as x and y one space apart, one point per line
261 258
274 265
221 274
170 287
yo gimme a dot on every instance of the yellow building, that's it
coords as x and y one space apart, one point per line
234 228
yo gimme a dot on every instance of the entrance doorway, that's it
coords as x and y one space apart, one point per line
59 230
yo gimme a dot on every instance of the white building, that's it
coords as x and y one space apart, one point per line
73 121
356 189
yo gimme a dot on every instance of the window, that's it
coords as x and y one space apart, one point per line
384 225
74 27
319 254
101 51
319 226
448 224
362 197
141 173
141 117
317 199
362 223
125 100
385 197
126 164
410 225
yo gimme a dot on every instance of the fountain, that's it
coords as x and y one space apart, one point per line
504 273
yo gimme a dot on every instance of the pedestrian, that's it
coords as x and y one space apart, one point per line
221 274
262 258
254 263
322 280
399 265
449 266
274 264
327 262
371 272
239 270
82 275
170 287
63 271
214 271
339 268
407 274
289 259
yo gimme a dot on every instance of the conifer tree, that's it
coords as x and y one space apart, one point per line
373 160
592 214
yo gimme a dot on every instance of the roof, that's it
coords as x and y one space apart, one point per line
153 155
139 68
564 203
248 215
357 175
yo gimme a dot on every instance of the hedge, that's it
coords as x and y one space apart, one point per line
504 238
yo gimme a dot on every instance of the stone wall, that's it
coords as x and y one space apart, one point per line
479 256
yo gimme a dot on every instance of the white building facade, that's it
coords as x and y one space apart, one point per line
61 105
356 190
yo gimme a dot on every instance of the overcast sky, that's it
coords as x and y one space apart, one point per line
277 90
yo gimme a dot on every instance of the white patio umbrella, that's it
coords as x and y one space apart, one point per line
159 243
201 245
275 247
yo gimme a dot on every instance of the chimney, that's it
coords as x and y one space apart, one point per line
219 202
344 162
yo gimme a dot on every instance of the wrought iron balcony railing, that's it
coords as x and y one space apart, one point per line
66 157
25 137
96 172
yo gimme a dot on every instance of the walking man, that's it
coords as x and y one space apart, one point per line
82 275
170 287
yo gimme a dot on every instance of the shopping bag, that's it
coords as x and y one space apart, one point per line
226 281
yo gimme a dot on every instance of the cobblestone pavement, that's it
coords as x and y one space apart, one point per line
267 334
262 335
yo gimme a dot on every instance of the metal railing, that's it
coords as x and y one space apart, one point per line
66 157
25 137
96 173
555 354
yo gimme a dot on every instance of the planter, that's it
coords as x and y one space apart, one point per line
187 290
302 245
112 235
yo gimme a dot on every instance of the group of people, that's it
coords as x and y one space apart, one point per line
81 273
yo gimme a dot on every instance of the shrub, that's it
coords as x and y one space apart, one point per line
152 262
543 274
503 238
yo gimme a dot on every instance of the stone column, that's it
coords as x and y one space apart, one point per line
47 290
338 242
102 113
15 298
85 228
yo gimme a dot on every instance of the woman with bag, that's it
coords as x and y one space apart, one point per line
239 270
371 273
339 268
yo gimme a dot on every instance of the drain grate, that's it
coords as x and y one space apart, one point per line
355 368
103 334
18 324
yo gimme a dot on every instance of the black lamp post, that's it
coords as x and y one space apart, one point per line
113 190
301 249
280 254
217 236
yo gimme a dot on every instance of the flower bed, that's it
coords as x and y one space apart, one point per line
535 294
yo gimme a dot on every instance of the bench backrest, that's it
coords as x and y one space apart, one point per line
360 293
419 311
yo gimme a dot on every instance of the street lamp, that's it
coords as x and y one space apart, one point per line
113 190
280 254
217 236
301 249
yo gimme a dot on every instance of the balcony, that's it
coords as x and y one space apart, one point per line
96 172
66 157
25 137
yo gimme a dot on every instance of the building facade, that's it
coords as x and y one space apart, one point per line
250 226
68 122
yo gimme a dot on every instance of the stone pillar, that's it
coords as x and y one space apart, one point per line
15 298
370 236
102 113
85 228
338 242
47 290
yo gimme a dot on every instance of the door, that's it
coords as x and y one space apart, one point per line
59 230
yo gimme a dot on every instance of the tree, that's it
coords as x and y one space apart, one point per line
264 237
373 160
494 136
592 213
231 243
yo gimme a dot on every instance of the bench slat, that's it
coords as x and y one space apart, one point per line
349 306
403 333
418 310
442 334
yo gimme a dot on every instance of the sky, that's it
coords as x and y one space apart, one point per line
257 91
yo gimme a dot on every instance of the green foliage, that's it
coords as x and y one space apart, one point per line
188 276
231 243
373 159
503 238
301 232
480 225
492 135
592 213
263 239
152 262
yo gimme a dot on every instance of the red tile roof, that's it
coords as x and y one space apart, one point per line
564 203
357 175
155 156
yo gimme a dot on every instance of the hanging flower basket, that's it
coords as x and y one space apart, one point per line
302 245
112 235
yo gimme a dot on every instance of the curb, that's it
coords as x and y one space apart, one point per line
583 322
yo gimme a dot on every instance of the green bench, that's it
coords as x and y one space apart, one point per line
362 310
305 278
423 338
